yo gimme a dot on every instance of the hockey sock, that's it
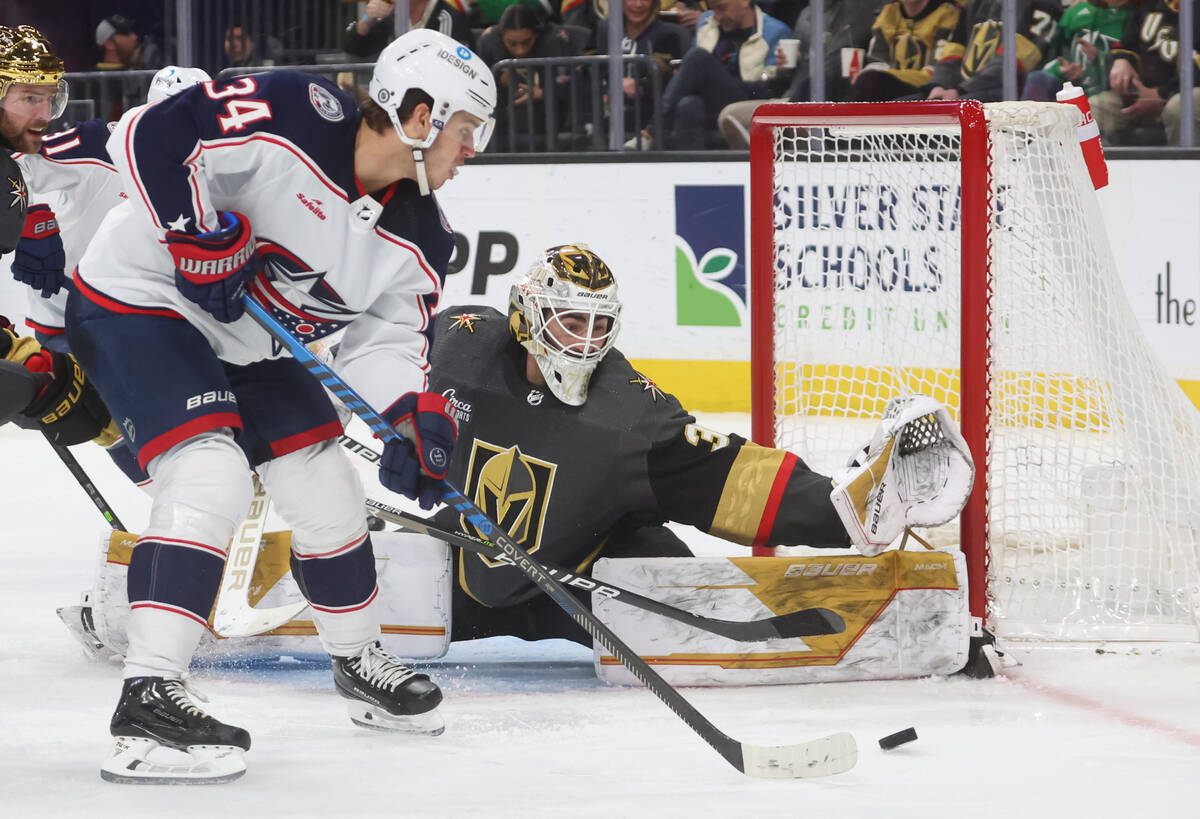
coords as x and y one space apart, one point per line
340 585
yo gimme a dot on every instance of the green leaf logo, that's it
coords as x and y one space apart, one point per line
701 300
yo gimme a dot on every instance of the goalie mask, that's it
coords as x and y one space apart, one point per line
449 72
31 83
565 312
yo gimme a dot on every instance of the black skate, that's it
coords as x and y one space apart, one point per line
385 694
157 712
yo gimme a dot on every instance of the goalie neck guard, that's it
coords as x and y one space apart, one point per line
27 58
565 312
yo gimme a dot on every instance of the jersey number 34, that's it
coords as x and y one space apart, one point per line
239 112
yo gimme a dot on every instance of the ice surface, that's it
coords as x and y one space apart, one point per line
531 732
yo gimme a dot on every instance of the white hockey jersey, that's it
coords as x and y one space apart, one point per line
74 176
279 149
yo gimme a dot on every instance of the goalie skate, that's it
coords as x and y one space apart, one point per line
78 620
156 713
384 694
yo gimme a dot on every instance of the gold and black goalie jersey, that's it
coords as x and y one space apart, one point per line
562 479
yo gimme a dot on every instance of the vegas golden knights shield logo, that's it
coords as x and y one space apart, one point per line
513 489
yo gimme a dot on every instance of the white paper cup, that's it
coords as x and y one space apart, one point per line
790 49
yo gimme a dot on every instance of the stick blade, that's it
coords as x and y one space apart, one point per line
255 621
827 756
809 623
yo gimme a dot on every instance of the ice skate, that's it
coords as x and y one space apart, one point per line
387 695
78 620
156 713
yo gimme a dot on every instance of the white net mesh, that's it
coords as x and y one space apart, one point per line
1093 475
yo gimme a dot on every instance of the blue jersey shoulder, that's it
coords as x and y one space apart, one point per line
85 141
304 110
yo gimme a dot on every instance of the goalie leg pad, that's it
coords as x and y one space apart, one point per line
916 471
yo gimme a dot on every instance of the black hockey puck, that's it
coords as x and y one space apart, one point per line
899 738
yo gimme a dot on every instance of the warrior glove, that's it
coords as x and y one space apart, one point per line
212 269
415 465
39 258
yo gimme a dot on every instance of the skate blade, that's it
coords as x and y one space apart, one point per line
72 619
368 716
210 765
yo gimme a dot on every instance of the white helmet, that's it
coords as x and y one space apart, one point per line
448 71
567 280
172 79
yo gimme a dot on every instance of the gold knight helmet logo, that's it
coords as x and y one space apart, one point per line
580 266
513 489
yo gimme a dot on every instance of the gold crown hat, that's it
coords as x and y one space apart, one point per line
26 56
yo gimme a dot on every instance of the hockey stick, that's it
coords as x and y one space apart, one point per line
85 482
820 757
233 616
811 622
803 623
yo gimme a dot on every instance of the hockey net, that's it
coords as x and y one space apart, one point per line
957 250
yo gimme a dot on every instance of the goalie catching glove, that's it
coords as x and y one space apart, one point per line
415 465
212 269
916 471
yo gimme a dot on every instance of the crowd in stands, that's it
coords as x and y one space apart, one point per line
705 65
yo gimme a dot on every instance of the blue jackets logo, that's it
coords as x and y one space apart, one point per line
710 255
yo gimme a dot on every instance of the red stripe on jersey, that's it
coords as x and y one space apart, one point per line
114 306
774 499
137 177
292 443
43 328
205 423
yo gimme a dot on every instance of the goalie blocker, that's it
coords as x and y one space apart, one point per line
905 612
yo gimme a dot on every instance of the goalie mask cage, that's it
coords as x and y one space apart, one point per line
956 249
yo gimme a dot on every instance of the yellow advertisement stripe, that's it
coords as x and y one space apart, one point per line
724 386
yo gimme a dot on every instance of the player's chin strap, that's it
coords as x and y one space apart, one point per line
422 179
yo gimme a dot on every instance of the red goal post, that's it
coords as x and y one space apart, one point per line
957 249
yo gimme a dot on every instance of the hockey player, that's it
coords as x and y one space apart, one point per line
332 198
579 456
72 184
39 388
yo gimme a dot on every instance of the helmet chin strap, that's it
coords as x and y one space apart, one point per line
422 178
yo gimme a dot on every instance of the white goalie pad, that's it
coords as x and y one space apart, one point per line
414 604
905 615
916 471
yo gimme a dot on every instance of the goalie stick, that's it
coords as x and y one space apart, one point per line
803 623
233 616
819 757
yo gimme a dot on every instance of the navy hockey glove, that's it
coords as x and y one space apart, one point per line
416 465
211 269
39 258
